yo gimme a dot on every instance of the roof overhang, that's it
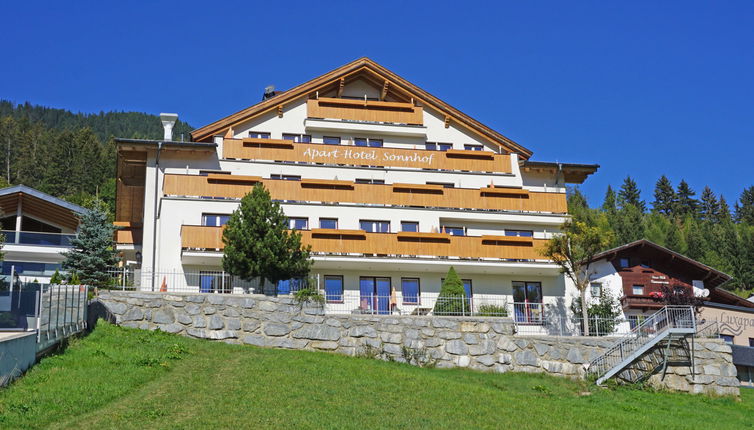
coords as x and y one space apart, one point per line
40 205
367 68
572 173
144 144
710 276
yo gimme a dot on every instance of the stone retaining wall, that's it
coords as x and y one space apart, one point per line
487 344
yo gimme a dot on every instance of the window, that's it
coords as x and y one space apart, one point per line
211 172
527 302
410 290
637 290
472 147
298 223
292 285
259 135
215 282
751 342
623 263
331 140
635 320
285 177
727 338
214 220
375 295
409 226
444 184
433 146
519 233
328 223
454 231
595 289
374 226
467 287
334 289
361 141
370 181
300 138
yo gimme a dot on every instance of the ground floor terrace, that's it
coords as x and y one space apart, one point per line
534 296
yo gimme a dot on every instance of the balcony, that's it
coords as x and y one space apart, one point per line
344 192
365 110
640 302
285 150
37 238
410 245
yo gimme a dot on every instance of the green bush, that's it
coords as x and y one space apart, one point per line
492 311
452 299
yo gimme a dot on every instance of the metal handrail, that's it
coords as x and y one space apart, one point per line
659 323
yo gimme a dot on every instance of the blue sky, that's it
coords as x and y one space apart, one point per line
641 88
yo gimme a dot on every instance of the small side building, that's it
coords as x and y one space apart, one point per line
38 228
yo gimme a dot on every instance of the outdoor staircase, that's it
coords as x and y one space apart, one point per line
672 324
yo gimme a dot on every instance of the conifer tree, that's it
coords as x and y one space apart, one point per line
724 211
665 198
258 243
629 194
629 225
745 211
674 240
56 278
609 204
709 208
686 203
93 251
696 244
452 299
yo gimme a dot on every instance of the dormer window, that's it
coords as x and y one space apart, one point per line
623 263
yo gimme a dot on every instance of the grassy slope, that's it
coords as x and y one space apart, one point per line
122 378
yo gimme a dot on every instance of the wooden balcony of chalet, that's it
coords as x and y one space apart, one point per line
346 192
128 233
350 155
405 244
365 110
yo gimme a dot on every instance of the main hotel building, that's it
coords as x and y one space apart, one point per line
388 184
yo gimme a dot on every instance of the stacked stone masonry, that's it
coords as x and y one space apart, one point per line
487 344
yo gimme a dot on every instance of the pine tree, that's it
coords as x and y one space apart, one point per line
724 211
629 225
686 203
93 250
745 212
452 299
696 245
709 208
258 243
629 194
609 204
578 206
674 240
56 279
665 198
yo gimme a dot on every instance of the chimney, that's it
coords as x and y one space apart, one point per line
168 121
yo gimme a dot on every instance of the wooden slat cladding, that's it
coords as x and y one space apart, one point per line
330 242
389 195
128 236
261 149
365 110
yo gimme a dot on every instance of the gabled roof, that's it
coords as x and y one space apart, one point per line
710 276
37 203
366 67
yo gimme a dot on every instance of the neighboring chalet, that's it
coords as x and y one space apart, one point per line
37 228
636 272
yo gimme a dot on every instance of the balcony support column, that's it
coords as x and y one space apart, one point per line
19 217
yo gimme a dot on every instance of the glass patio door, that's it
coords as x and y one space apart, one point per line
527 302
374 295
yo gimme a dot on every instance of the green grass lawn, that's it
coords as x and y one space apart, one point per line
124 378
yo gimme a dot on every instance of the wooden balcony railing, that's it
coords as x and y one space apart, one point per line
285 150
640 302
421 195
365 110
128 233
331 241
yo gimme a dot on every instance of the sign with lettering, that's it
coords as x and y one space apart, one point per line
350 155
734 323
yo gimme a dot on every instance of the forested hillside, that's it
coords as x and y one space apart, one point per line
69 155
704 228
